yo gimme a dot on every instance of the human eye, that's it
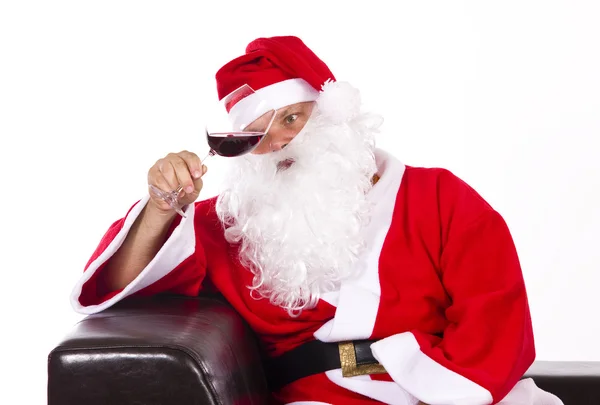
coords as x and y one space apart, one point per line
291 118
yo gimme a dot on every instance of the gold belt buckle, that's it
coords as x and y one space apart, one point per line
348 362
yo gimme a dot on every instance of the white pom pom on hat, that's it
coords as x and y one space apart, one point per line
339 101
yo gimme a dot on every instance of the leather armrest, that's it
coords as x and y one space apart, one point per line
158 350
575 383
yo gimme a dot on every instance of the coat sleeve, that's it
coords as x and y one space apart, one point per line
179 267
488 343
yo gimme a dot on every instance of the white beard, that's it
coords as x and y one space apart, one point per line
300 229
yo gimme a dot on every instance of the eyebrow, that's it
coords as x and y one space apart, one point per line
285 112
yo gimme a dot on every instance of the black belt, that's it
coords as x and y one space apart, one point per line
314 357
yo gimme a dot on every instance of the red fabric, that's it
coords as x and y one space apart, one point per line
185 279
448 270
93 292
450 275
272 60
231 279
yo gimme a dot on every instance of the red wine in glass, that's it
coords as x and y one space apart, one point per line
230 144
234 144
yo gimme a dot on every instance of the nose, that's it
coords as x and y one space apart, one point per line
278 138
277 144
274 141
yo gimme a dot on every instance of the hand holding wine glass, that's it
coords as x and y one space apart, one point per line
181 172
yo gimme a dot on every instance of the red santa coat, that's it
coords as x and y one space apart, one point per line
441 290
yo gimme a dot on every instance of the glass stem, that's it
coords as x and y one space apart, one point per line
209 154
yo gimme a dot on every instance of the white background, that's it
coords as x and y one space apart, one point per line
505 94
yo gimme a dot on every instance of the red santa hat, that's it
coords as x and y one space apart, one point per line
282 71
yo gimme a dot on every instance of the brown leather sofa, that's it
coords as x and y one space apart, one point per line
181 350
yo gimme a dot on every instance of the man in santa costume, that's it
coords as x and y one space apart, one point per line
366 281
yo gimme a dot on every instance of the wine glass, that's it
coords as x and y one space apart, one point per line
238 126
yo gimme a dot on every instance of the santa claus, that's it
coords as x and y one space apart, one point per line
366 281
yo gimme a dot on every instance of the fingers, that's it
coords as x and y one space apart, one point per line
193 163
183 169
175 170
178 172
195 169
157 178
198 181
